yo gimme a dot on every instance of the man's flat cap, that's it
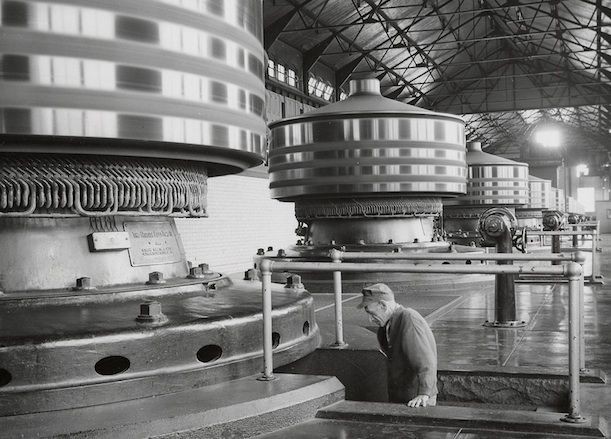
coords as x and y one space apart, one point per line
375 293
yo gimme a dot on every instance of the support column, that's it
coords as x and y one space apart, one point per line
498 225
556 248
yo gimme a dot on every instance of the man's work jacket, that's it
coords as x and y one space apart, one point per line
412 356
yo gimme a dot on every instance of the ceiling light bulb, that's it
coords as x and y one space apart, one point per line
548 137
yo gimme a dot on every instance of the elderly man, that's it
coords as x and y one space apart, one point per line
408 343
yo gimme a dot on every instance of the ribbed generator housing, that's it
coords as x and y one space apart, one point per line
492 182
112 117
367 156
539 200
558 200
368 174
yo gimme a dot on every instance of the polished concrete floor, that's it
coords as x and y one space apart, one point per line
462 341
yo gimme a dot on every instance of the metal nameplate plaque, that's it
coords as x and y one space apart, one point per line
152 243
102 241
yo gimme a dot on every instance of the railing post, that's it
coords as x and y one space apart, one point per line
574 271
336 257
596 276
266 281
576 228
556 247
580 258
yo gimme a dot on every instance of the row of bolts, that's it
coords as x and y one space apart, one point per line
436 238
150 312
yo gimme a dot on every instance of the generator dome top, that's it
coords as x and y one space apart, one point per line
475 156
365 99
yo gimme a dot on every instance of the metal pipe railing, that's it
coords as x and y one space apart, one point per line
560 232
268 361
596 276
337 296
410 256
572 271
577 256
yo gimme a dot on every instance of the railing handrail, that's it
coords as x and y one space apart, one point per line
562 232
558 270
577 256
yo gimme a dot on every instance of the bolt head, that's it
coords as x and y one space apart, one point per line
416 240
250 274
294 281
196 272
155 277
150 309
281 253
260 252
205 268
270 249
83 283
150 313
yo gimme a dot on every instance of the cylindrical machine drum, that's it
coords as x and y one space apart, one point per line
558 201
113 114
540 193
493 180
368 174
367 145
176 80
539 199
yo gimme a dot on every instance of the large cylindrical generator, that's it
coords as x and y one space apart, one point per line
558 200
368 174
492 181
530 215
113 115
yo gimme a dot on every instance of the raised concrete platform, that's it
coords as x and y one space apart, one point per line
362 370
462 417
240 408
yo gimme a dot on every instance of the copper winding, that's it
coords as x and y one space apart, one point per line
92 187
367 207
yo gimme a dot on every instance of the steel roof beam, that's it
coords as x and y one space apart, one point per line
311 56
344 72
342 37
273 30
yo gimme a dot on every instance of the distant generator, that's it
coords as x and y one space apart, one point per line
492 181
530 215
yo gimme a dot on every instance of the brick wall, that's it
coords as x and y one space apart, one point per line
242 218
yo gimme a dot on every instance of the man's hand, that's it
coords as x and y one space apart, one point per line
419 401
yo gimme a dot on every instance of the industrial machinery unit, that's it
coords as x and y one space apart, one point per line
575 210
530 216
368 174
492 181
113 115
